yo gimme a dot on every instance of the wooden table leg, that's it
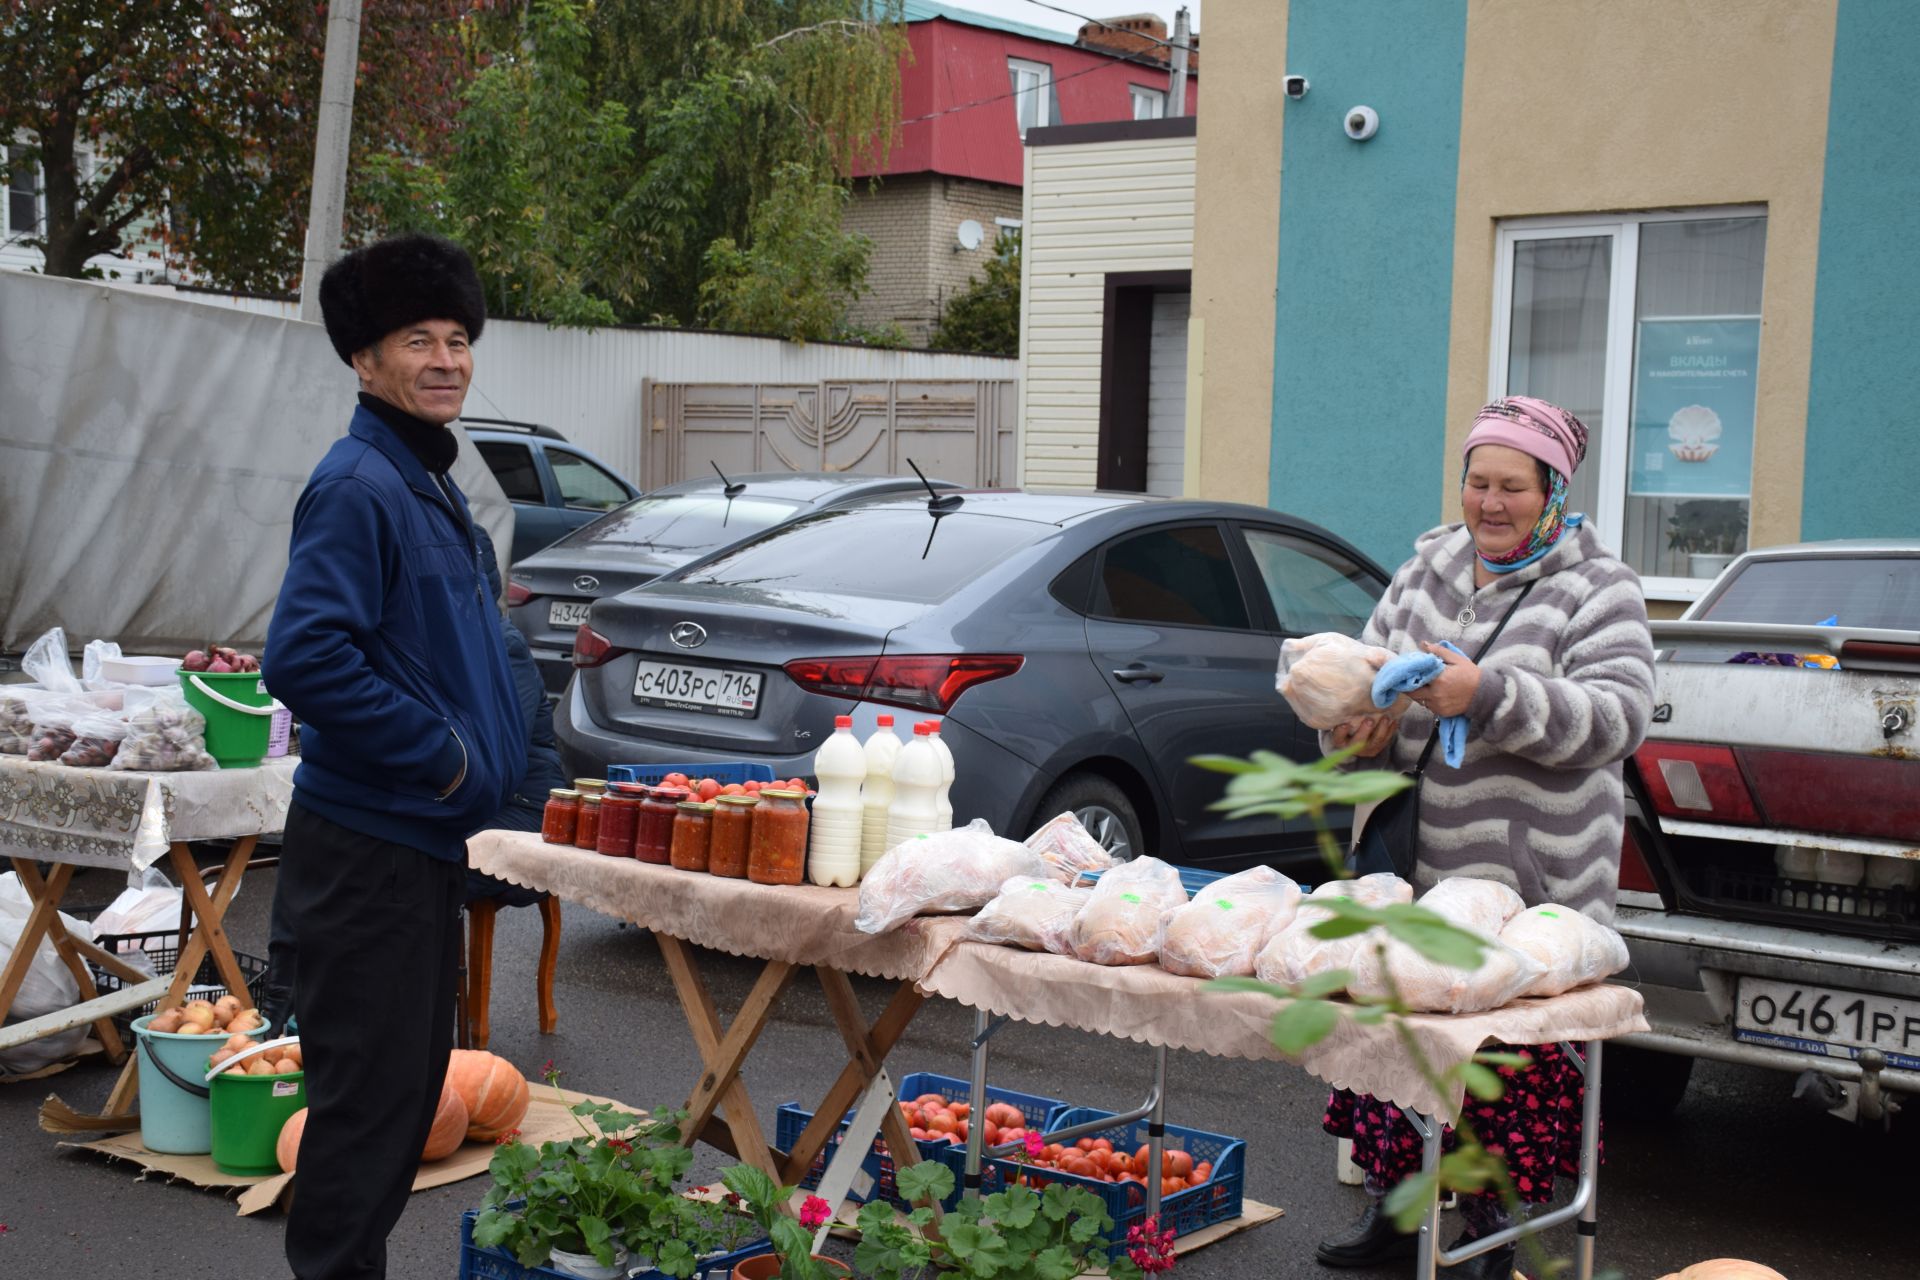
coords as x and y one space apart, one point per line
549 961
696 1002
861 1067
865 1051
46 910
64 944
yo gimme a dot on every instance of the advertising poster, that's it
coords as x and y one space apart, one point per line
1693 395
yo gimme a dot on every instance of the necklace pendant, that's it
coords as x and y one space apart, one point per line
1466 617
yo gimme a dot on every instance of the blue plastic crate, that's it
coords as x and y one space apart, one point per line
1192 879
477 1263
1216 1200
724 772
790 1120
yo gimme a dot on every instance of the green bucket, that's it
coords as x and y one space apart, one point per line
247 1115
239 714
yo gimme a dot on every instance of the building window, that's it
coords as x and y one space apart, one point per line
1148 104
1034 102
1647 326
23 196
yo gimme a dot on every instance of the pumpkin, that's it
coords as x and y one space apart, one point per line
1726 1269
449 1125
287 1149
495 1092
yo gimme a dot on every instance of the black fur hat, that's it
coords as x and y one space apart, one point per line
396 282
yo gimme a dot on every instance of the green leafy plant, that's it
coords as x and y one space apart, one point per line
1707 526
1015 1234
606 1191
985 316
798 271
765 1201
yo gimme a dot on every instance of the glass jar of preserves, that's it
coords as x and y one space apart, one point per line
653 840
560 817
619 823
586 832
732 840
590 786
692 835
778 854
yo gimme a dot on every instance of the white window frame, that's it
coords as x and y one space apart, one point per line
1143 93
1041 94
1617 388
8 232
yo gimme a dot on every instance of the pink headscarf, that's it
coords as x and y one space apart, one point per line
1534 427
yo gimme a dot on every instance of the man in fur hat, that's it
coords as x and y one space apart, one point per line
386 645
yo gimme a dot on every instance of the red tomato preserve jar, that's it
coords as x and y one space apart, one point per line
692 835
586 832
732 839
561 816
653 841
619 822
779 851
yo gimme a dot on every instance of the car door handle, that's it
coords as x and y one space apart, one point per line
1139 674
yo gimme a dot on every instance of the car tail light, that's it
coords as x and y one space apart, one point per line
1634 871
918 681
591 649
1869 796
1699 782
517 595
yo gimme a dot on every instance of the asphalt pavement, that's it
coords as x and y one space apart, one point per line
1741 1171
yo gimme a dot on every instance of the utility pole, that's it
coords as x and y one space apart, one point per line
1177 106
326 211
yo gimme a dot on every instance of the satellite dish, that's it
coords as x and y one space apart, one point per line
970 235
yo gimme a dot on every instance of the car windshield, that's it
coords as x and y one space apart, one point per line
1862 591
685 522
891 554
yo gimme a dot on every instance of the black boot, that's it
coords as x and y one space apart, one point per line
1370 1241
1496 1265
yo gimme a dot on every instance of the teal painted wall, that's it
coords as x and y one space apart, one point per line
1366 268
1863 433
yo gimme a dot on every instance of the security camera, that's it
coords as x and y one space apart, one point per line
1296 86
1362 123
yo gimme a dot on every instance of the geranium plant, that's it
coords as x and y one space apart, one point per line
765 1200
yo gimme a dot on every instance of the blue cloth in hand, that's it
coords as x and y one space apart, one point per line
1412 671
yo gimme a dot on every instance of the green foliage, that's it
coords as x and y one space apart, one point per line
985 316
764 1201
1014 1234
799 271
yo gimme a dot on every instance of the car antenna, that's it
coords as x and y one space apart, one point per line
732 490
937 502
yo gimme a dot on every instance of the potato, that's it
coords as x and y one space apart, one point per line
285 1067
210 1031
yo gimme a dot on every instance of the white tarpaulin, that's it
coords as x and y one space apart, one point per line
151 452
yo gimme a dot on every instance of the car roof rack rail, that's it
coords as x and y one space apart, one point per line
508 424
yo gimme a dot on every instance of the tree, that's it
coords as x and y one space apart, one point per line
200 116
799 270
985 316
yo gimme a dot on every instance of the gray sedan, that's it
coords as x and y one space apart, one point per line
1078 649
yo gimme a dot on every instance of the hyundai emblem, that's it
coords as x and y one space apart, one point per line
688 635
586 582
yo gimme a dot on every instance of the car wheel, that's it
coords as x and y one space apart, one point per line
1643 1084
1102 808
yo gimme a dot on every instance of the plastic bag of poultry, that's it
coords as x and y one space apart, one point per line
1032 912
1430 987
1220 932
1293 954
1069 848
1122 920
1483 906
1572 949
947 871
1327 679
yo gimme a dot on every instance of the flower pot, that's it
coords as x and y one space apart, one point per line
586 1266
766 1266
1704 565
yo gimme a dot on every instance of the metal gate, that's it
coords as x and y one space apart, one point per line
959 431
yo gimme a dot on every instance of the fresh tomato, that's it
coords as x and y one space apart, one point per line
1177 1164
942 1122
674 780
753 787
1085 1144
794 784
707 789
1202 1172
1169 1186
733 789
929 1100
1101 1144
961 1109
919 1133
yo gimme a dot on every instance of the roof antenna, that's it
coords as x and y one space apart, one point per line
937 502
732 490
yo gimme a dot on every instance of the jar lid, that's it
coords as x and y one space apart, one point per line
590 784
591 799
562 793
675 794
696 806
635 789
742 801
778 794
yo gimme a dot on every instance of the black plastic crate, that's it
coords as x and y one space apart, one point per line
1811 904
161 949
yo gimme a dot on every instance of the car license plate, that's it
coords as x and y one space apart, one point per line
714 690
1826 1021
568 613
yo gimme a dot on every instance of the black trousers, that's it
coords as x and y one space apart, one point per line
376 927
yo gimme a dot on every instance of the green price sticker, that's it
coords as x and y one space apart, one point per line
1130 897
1223 904
1037 887
1550 915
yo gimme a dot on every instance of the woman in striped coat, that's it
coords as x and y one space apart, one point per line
1561 699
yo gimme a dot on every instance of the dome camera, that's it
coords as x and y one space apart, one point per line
1362 123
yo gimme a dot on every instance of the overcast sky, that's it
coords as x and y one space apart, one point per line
1034 15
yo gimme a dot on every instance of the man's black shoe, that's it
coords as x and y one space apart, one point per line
1497 1265
1371 1241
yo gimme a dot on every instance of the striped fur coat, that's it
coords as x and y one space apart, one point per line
1565 696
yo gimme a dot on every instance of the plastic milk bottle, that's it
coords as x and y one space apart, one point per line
882 749
833 847
946 773
917 777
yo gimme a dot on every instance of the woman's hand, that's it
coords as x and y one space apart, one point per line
1372 733
1451 693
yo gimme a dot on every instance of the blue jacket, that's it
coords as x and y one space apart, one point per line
386 646
544 770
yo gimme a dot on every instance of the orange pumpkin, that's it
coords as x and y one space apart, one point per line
1726 1269
287 1149
449 1125
495 1092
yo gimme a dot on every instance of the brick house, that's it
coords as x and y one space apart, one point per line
974 85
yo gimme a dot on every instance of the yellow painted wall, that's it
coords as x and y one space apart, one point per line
1591 106
1236 252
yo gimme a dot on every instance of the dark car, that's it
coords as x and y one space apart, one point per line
1079 649
549 592
555 487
